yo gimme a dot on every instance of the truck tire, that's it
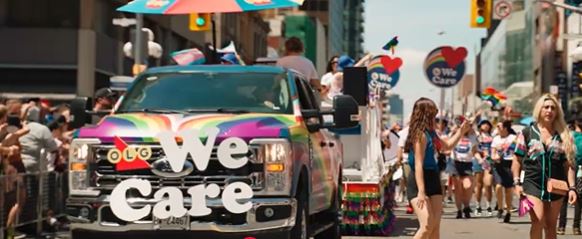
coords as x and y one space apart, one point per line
334 232
299 231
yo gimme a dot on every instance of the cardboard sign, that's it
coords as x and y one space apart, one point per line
383 72
170 200
445 66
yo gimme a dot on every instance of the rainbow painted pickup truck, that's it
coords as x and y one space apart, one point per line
210 152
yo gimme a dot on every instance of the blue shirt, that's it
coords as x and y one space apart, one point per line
430 160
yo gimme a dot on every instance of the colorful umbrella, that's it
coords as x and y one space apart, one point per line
204 6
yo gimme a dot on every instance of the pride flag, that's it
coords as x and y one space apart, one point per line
189 57
494 97
391 45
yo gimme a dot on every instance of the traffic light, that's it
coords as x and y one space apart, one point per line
200 21
481 13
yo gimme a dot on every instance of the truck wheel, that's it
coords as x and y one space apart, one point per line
299 231
334 232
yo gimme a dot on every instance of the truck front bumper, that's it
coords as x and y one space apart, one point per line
268 216
265 234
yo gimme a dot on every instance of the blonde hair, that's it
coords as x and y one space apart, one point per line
559 124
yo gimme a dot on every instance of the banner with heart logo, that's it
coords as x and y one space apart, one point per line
383 72
445 66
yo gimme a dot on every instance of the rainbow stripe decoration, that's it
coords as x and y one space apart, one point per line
367 208
189 57
493 97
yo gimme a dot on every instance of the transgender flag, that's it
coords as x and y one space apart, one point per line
189 57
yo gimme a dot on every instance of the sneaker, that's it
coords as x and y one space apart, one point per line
409 210
459 214
576 231
450 200
479 212
467 212
19 235
561 231
499 214
489 212
507 218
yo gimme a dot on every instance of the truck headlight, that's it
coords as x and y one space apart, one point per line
276 155
80 157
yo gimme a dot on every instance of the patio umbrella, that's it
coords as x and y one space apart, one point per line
169 7
204 6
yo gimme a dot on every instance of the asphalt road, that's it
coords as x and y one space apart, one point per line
474 228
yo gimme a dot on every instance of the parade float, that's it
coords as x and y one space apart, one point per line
368 188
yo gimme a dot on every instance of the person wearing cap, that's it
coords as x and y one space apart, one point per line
326 100
483 170
104 99
295 60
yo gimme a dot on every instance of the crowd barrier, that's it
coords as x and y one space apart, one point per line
40 197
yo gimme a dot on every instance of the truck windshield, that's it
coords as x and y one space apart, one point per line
209 92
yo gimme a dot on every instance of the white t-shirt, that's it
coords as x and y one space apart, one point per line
401 142
463 150
392 152
505 146
300 64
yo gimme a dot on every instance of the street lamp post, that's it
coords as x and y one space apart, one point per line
137 67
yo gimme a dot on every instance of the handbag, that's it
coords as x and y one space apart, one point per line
559 187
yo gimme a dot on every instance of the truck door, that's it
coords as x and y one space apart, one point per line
319 159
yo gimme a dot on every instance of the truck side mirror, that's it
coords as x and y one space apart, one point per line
345 112
79 112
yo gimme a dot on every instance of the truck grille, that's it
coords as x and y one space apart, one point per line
106 177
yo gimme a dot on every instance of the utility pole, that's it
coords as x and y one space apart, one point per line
139 64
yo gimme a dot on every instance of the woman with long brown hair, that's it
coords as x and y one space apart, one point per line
545 153
424 189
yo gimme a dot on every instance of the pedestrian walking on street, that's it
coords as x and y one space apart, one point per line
463 155
424 189
502 153
577 135
545 152
484 180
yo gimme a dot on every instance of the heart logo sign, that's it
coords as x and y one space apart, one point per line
383 72
454 57
390 65
445 66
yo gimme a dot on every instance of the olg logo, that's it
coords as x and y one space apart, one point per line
129 154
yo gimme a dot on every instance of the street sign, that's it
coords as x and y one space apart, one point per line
124 22
445 66
383 72
501 9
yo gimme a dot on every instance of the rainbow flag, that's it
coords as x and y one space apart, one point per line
391 45
492 96
189 57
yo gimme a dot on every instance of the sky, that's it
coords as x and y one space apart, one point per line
417 24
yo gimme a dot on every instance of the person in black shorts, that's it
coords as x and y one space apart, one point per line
503 151
424 189
545 151
463 154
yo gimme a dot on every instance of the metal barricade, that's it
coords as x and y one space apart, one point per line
33 198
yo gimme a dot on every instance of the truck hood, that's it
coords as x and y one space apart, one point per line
143 127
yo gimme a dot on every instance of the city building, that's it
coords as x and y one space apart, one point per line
354 28
394 109
62 48
510 55
331 15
